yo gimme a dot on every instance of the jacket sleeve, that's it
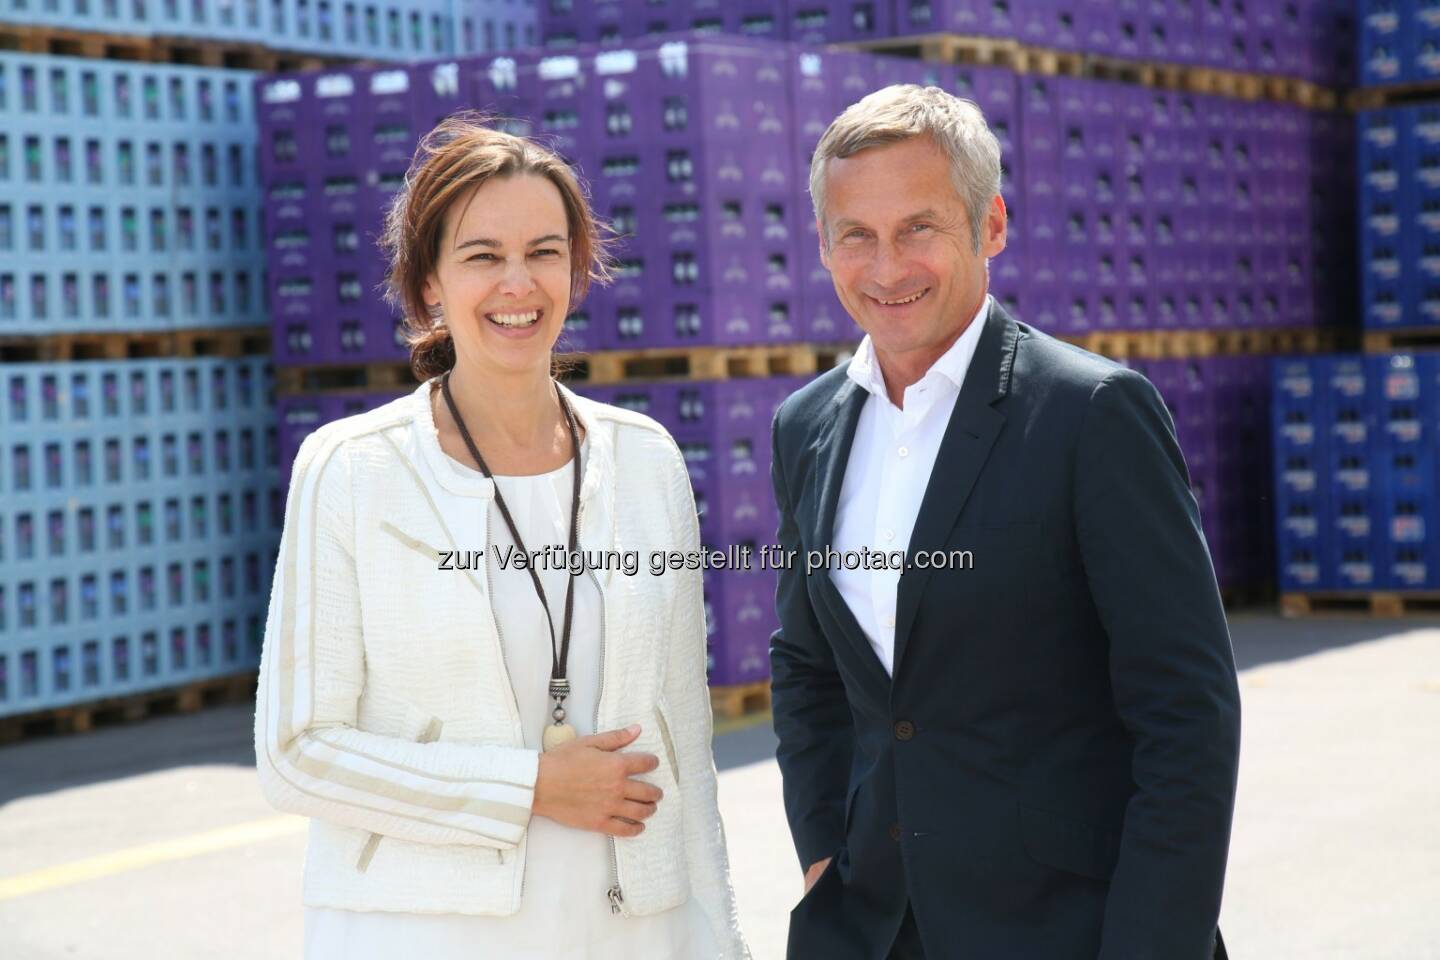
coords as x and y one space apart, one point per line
687 693
1172 671
811 713
311 758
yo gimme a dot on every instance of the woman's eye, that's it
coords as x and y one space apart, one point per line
549 251
480 256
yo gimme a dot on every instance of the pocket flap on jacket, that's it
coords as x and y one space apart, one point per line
1059 841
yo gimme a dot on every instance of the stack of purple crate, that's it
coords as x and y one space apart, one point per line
1131 207
1221 410
1158 209
1310 39
723 431
566 24
691 157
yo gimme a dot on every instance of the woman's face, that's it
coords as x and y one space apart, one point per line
502 277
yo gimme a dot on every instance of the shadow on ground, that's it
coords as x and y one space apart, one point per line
223 735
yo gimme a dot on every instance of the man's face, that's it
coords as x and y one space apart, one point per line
898 231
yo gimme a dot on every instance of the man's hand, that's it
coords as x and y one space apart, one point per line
813 874
586 784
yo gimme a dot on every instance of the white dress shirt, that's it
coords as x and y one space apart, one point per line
885 479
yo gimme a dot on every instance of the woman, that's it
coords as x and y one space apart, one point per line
500 761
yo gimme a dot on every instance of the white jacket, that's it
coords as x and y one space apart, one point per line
368 652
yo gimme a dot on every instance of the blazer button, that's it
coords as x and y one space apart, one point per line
904 730
895 831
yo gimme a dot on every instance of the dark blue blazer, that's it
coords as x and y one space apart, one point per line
1050 775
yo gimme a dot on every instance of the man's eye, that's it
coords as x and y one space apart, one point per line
854 235
920 226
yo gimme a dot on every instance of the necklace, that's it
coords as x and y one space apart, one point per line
558 732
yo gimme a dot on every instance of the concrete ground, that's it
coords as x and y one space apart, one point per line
152 840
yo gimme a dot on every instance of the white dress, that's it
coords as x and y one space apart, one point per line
564 911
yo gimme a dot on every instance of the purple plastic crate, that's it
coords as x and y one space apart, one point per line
740 609
838 21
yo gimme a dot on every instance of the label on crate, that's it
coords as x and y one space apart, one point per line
1353 526
1410 574
1358 573
1356 479
1302 526
1300 480
1298 387
1402 386
1405 431
1300 434
1408 529
1304 573
1352 433
1349 384
1386 181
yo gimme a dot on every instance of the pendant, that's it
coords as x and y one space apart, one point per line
557 734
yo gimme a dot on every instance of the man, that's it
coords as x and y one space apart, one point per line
1023 746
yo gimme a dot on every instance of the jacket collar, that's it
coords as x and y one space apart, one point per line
427 437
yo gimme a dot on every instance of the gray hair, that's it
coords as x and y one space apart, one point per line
904 110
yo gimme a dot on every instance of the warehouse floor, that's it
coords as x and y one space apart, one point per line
153 841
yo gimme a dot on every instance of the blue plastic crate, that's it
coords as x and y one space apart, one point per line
140 507
1301 516
1386 38
1406 467
1347 418
129 201
398 30
1425 47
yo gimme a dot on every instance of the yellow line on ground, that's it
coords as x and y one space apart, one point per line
210 841
134 858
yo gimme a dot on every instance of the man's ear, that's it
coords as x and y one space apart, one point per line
996 228
820 239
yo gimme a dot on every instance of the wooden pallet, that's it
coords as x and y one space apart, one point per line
1182 344
1310 340
1045 61
947 48
1373 98
80 718
703 363
1401 338
340 378
154 48
1374 603
127 345
1235 598
740 699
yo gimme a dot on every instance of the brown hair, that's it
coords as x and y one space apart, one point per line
461 153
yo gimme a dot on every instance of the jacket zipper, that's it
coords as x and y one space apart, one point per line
615 895
505 665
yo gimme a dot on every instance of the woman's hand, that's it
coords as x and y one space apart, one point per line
586 784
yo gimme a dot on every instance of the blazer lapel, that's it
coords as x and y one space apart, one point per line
832 447
974 424
832 453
